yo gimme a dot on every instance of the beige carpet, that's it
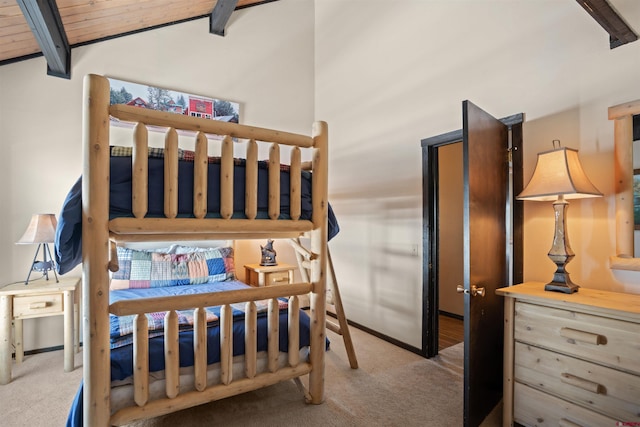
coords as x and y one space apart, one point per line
392 387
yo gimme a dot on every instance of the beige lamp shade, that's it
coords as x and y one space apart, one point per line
558 173
41 229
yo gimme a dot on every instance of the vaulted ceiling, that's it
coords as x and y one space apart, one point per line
30 28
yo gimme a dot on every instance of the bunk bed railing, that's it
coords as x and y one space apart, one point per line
227 385
129 113
212 299
175 122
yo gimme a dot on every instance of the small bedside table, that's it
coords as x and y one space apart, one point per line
267 275
37 299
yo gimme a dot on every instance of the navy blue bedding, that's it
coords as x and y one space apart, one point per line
68 242
122 356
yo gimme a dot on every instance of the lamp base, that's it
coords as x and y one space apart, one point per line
561 253
567 288
43 266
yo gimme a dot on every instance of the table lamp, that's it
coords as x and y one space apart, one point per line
41 230
558 176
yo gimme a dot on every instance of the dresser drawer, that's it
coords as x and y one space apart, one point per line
535 408
37 305
612 342
605 390
276 278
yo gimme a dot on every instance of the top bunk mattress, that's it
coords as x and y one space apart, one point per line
68 239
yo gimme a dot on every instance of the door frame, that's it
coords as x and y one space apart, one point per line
430 239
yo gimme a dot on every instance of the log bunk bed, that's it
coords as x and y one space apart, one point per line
103 234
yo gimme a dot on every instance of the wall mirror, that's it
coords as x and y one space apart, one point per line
623 117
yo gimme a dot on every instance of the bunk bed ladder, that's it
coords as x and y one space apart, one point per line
334 302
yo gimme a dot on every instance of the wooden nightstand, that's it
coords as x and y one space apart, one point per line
261 275
37 299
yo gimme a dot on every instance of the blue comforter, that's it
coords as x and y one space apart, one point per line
68 242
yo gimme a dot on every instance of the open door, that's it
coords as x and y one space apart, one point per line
486 169
492 246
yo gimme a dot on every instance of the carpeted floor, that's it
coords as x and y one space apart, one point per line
392 387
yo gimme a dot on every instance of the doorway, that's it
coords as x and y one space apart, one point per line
450 245
489 236
445 176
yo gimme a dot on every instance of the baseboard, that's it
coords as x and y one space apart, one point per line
382 336
41 350
452 315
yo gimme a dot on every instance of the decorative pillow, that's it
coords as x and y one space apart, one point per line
146 269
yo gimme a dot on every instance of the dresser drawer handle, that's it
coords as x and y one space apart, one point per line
582 336
566 423
38 304
581 383
280 279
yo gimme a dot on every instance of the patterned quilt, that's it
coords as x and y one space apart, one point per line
122 326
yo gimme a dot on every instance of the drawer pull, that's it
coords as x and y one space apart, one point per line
582 383
582 336
280 279
38 304
566 423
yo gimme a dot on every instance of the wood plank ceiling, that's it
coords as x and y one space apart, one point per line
30 28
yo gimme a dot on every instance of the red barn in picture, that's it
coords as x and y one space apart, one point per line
201 107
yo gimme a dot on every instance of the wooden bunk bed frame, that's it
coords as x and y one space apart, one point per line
100 235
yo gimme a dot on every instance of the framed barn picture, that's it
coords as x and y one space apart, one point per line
156 98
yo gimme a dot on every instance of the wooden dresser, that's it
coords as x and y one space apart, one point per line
571 359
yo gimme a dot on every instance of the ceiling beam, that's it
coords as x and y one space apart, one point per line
45 24
220 16
619 32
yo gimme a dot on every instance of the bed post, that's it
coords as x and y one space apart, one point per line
318 246
95 251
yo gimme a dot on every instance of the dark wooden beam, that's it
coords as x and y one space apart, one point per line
619 32
220 16
45 24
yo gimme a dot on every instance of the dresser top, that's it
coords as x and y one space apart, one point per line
589 300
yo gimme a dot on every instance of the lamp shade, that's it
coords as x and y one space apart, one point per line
41 229
558 173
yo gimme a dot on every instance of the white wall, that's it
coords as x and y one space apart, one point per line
265 62
389 73
385 74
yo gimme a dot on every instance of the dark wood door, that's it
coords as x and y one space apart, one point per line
485 164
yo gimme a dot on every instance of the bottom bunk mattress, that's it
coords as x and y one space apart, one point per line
122 347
